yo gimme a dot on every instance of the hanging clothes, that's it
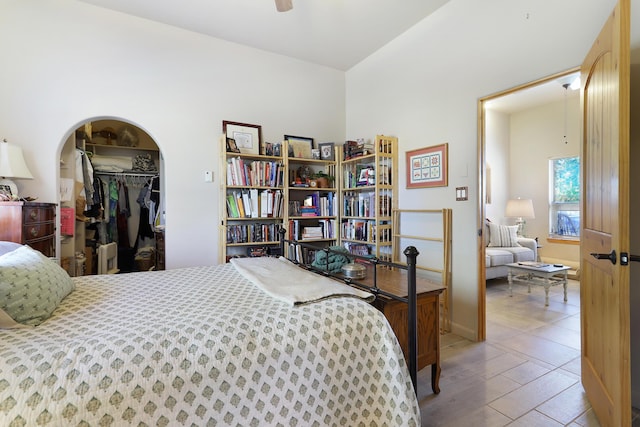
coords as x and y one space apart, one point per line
154 197
84 184
144 227
112 229
123 212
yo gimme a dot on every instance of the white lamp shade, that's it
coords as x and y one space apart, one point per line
12 164
520 208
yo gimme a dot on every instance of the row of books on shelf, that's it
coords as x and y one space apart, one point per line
314 204
357 148
363 175
301 254
254 203
366 230
358 248
256 173
363 204
252 233
322 229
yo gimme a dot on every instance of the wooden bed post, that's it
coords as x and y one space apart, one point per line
412 253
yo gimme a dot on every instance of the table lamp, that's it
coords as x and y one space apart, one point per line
520 209
12 166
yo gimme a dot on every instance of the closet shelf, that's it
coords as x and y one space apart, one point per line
123 147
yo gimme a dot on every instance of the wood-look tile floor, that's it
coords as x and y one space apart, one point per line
527 372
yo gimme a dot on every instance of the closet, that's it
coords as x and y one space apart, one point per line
111 200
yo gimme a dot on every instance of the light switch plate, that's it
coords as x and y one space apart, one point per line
208 176
462 193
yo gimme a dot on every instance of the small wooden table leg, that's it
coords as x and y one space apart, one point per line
435 377
547 285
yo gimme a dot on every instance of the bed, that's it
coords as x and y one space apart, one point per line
201 346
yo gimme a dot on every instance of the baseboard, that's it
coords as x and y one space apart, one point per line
464 332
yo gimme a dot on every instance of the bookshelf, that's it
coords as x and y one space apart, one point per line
311 213
254 203
368 173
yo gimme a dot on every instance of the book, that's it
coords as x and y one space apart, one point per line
246 204
255 205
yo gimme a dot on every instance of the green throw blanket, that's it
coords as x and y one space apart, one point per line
336 260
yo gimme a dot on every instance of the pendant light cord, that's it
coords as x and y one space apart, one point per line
566 89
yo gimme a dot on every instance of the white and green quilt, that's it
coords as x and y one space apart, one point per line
202 346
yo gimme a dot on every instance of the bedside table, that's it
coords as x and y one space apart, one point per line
29 223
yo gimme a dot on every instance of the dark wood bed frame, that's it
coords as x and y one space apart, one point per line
411 300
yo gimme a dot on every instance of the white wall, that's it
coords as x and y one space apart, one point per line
424 88
66 62
537 135
497 154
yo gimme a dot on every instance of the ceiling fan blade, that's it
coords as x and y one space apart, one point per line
284 5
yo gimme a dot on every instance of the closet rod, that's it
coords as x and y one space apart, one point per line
134 174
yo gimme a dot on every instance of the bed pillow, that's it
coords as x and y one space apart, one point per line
6 247
31 286
504 236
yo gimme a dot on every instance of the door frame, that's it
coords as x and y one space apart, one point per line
481 332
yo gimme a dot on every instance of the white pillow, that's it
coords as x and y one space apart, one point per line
31 286
504 236
6 247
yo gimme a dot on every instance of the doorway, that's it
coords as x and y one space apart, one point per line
521 130
111 199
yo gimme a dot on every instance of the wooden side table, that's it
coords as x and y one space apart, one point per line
29 223
396 312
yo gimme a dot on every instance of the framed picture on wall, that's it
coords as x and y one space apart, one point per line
248 138
428 167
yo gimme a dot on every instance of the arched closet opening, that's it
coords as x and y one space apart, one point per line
111 200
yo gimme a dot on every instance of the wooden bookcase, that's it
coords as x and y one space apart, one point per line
312 203
368 197
254 203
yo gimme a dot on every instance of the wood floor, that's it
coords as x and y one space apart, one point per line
527 372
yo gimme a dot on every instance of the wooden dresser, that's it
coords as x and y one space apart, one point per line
397 313
29 223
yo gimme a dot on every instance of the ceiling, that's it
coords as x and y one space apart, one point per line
334 33
540 94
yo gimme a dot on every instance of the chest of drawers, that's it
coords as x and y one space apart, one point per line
29 223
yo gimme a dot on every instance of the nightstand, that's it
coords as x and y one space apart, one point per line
29 223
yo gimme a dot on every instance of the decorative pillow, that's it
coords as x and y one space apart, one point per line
6 247
31 286
504 236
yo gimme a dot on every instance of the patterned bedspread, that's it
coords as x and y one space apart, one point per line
202 347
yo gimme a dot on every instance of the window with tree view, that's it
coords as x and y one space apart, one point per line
564 208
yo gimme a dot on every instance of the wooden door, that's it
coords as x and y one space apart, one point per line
604 283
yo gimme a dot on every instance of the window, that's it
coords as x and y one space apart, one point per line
564 206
